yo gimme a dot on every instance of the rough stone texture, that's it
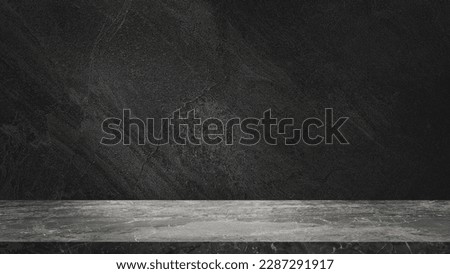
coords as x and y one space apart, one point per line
229 247
224 221
67 65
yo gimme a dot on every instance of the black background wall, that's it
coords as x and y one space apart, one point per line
67 65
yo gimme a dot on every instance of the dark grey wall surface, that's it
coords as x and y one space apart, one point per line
67 65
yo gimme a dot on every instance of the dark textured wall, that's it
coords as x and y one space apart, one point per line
67 65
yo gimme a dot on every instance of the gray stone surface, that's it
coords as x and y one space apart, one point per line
225 221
